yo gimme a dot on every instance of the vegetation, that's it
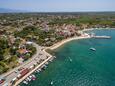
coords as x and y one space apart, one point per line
31 33
91 21
45 29
9 55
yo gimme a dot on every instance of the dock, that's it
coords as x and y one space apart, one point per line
102 37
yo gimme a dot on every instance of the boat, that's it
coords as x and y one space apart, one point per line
54 56
51 83
38 70
29 79
25 82
46 63
26 79
70 59
33 77
35 71
93 49
44 67
30 76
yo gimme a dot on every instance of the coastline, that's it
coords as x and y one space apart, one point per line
50 56
37 67
66 40
19 81
53 47
98 29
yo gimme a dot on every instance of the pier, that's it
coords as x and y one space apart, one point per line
102 37
93 35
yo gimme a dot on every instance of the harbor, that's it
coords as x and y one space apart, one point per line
38 68
41 65
25 71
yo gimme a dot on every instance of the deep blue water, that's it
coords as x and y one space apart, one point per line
87 68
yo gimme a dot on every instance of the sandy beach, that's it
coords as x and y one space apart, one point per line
76 38
67 40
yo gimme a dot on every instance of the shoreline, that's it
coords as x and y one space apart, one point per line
50 56
33 70
98 29
55 46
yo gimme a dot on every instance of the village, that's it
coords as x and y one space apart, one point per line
23 37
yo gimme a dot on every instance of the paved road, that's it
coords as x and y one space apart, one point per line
36 58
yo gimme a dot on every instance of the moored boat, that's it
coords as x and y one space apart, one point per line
51 83
93 49
25 82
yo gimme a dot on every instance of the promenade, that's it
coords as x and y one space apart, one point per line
41 54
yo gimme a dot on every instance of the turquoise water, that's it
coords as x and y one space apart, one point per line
77 65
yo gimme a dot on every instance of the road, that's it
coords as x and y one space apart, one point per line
35 58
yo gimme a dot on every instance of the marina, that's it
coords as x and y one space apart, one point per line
30 77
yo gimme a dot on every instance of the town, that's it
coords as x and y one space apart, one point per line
23 36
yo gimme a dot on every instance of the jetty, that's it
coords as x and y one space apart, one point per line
102 37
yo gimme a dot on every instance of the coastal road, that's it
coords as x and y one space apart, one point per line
35 58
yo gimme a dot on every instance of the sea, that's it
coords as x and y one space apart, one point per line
77 65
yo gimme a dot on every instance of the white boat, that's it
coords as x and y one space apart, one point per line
33 77
45 66
30 76
46 63
54 56
70 59
38 71
51 83
93 49
25 82
28 79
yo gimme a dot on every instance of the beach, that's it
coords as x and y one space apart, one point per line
67 40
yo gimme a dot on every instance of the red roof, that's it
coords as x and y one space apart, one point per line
24 72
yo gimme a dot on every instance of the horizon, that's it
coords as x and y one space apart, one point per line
59 6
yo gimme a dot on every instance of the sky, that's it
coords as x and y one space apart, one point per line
59 5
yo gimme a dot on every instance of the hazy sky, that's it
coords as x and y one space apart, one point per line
59 5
